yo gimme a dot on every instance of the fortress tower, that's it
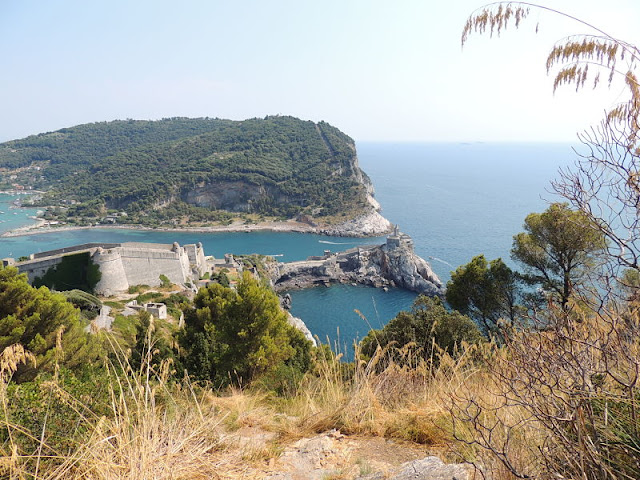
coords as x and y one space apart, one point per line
113 278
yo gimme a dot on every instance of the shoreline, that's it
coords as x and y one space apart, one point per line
291 226
368 224
39 228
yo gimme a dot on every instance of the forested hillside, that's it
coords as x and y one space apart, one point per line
193 169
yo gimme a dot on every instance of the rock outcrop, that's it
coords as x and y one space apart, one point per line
366 225
393 264
428 468
238 196
323 456
300 325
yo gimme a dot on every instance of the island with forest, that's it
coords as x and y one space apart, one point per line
278 172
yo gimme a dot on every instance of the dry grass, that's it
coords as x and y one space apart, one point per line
560 402
384 398
152 431
159 429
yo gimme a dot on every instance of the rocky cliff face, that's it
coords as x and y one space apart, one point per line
393 264
244 197
238 196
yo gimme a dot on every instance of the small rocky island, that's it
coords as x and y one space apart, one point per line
393 264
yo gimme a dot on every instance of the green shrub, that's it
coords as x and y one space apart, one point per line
83 300
145 297
241 335
54 410
34 318
429 324
137 288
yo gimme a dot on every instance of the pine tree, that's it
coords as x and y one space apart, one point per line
240 335
44 323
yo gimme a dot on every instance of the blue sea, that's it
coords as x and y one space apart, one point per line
455 200
12 217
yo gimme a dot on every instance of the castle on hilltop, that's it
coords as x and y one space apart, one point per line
126 264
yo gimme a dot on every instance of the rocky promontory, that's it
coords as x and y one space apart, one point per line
369 224
393 264
196 172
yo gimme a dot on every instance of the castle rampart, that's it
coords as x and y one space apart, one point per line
72 249
37 268
125 264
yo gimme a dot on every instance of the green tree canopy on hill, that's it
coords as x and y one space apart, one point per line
240 335
558 249
429 325
34 317
486 291
277 166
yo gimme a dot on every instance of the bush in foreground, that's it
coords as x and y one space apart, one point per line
237 336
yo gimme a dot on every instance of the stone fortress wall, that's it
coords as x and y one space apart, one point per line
125 264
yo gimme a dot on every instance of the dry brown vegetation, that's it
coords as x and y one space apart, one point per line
157 428
564 400
553 402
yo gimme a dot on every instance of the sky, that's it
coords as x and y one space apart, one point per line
378 70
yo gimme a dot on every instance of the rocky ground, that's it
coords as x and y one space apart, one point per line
367 225
333 456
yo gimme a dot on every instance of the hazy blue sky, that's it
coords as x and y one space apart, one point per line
378 70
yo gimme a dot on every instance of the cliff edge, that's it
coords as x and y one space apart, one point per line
393 264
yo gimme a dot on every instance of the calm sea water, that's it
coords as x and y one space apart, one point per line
12 217
455 200
460 200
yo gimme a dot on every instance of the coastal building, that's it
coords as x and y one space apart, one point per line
399 240
158 310
126 264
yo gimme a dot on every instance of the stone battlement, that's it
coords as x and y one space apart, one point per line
72 249
125 264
